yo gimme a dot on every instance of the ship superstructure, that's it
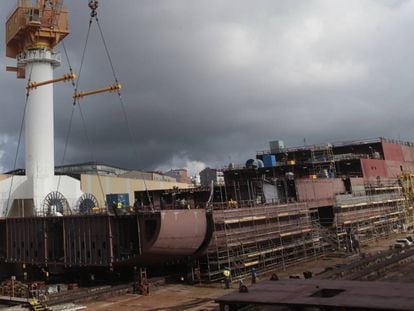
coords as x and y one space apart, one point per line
292 204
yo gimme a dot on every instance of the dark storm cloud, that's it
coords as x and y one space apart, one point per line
214 81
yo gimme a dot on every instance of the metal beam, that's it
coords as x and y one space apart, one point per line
111 88
64 78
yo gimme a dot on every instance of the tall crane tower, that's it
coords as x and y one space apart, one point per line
33 30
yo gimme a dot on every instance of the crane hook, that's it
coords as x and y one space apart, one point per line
93 5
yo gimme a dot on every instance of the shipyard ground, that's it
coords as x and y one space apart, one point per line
201 297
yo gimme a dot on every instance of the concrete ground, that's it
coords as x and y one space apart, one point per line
201 297
169 297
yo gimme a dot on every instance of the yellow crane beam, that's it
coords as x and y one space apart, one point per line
64 78
112 88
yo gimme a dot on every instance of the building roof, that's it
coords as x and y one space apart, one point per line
81 168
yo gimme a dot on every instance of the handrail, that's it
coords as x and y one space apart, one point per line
342 144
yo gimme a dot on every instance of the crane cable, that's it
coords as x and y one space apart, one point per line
20 139
75 102
71 115
131 137
93 7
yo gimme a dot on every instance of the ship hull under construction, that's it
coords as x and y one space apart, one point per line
140 239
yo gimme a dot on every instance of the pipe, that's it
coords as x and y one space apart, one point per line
112 88
64 78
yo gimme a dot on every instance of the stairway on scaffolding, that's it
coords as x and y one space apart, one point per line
328 237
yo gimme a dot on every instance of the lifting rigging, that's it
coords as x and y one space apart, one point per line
38 26
73 242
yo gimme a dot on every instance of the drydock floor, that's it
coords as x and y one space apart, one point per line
201 297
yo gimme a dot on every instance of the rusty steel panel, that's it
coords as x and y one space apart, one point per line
182 232
68 241
372 168
87 241
408 153
105 240
395 168
357 181
318 189
26 240
125 238
392 152
326 295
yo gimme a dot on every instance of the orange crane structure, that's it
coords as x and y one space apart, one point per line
35 25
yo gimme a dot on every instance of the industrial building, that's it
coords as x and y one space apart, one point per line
181 175
99 181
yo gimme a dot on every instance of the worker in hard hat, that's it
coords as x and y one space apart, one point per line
119 207
226 274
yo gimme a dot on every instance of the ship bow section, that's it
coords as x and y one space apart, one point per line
182 234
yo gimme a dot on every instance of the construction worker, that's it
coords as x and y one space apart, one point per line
120 208
114 208
46 274
242 288
254 275
226 274
119 205
137 205
355 243
232 203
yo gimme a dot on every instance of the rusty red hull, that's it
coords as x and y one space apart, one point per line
144 238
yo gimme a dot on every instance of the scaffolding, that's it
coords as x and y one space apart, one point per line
264 238
377 212
322 161
407 183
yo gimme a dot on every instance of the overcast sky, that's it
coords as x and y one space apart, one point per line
213 81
